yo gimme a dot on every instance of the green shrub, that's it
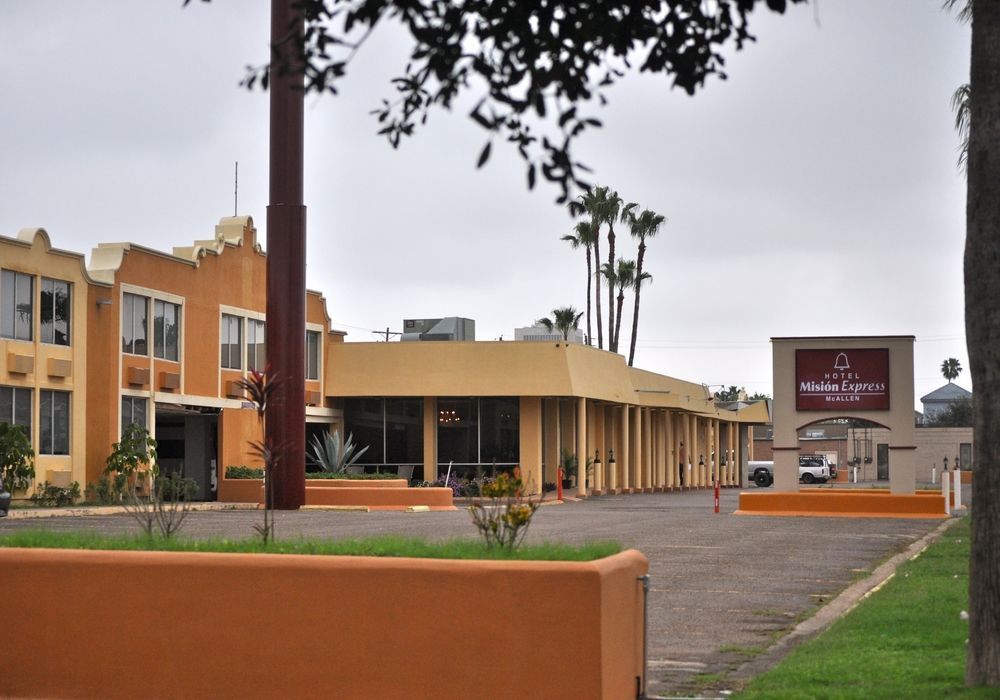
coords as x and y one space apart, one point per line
134 451
354 477
17 458
106 491
49 495
244 472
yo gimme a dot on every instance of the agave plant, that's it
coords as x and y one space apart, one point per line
331 455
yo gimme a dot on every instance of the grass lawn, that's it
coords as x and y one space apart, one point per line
381 546
904 641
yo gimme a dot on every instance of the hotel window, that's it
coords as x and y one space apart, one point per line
166 330
256 359
15 406
16 304
55 311
134 311
133 411
231 341
53 418
312 354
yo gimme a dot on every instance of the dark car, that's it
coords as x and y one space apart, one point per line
4 500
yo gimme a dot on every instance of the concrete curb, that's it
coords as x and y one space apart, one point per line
26 513
846 601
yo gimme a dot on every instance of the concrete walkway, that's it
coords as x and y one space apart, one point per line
724 588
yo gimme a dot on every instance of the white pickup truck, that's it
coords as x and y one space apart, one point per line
812 469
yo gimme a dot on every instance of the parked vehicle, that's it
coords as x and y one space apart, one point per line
812 469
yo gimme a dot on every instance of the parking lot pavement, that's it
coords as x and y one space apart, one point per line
723 587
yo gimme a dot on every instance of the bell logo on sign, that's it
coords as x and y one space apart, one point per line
842 380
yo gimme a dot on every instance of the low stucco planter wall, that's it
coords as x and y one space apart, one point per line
853 503
199 625
389 494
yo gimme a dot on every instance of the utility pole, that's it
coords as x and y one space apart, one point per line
285 419
387 333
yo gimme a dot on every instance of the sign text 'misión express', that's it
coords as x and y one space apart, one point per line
835 380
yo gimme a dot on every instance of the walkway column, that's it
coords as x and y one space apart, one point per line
531 443
687 448
612 441
648 438
430 438
581 447
733 460
717 451
551 440
637 451
671 474
623 457
597 415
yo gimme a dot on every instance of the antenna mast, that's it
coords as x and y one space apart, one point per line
236 190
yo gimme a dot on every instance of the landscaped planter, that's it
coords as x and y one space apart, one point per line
168 624
377 494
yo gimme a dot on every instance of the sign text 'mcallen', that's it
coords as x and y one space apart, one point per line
842 380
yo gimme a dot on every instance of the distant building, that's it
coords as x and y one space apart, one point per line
541 334
939 400
449 328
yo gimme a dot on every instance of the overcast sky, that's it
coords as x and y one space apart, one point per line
813 193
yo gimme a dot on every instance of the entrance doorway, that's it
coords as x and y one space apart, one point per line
187 440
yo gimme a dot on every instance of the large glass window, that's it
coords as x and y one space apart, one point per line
364 419
499 431
53 419
404 431
55 311
458 431
133 411
16 304
231 341
135 308
166 330
312 354
256 358
15 406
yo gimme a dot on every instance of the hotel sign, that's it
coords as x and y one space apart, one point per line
842 380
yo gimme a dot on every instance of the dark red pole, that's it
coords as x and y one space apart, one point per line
286 258
716 495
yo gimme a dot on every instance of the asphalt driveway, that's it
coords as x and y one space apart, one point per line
723 587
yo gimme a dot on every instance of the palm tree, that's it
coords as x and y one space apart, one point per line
592 203
622 277
950 368
610 210
563 320
586 237
644 226
961 102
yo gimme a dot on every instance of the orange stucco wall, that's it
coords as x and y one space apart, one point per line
848 503
582 621
230 271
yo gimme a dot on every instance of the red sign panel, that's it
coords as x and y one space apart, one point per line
842 380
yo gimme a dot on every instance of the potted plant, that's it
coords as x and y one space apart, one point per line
569 464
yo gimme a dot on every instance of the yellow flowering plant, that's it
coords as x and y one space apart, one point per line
502 513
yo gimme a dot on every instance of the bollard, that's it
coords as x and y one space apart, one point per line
945 492
716 495
855 470
934 474
957 476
